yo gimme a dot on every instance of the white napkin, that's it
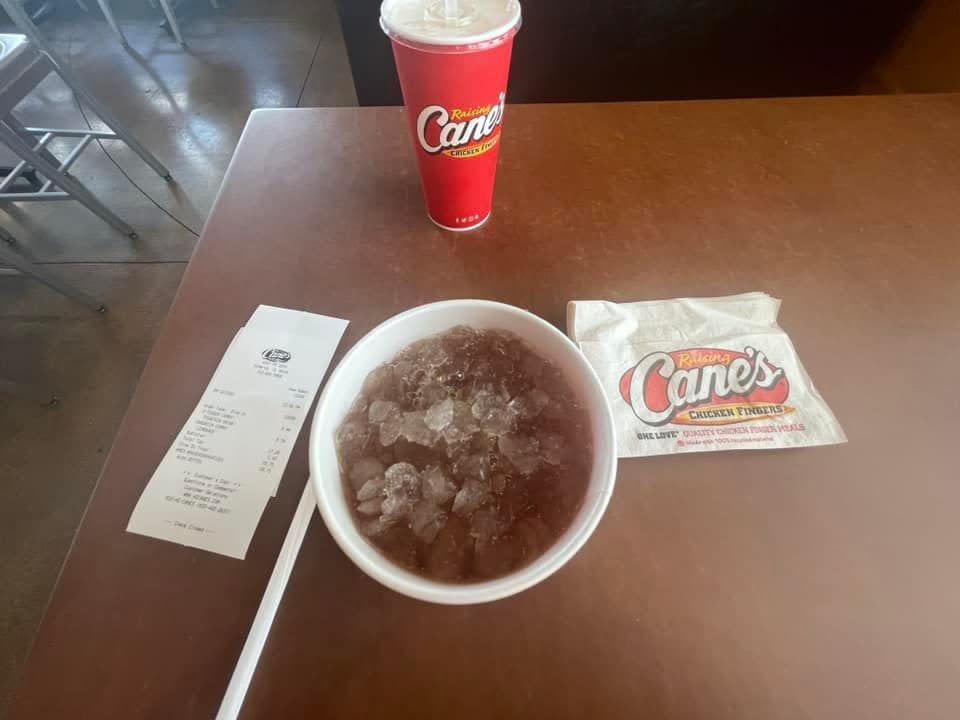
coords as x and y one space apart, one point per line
697 374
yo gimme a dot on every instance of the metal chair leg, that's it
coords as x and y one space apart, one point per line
122 133
9 257
111 21
20 18
30 139
172 20
64 182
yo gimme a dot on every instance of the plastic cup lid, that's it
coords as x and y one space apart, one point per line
424 21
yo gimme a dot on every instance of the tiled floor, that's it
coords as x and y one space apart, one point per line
189 106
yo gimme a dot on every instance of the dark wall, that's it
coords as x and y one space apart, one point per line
595 50
371 60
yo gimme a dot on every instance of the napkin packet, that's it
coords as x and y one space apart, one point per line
698 374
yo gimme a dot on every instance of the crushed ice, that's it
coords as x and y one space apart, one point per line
479 423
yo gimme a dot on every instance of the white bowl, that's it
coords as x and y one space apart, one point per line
379 346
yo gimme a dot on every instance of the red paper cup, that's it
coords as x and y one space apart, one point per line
454 88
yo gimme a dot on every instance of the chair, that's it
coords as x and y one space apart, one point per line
19 265
111 21
24 62
169 12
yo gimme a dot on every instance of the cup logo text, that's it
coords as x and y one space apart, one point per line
460 132
705 386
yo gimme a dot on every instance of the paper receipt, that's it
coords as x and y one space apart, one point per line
214 482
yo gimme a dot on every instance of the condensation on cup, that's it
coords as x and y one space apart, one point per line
453 70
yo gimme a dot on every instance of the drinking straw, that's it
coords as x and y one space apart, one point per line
253 647
451 9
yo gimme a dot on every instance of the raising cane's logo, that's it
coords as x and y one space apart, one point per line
276 355
460 132
705 386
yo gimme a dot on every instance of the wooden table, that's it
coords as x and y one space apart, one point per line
817 583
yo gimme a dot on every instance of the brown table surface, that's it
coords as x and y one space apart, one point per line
816 583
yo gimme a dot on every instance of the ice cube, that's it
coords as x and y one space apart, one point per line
359 407
455 377
440 415
436 487
522 451
551 447
370 507
463 336
363 470
530 404
471 496
432 354
372 488
499 421
381 382
390 429
486 525
492 412
426 520
463 425
483 402
396 506
413 427
430 531
433 393
380 410
402 490
472 466
351 437
374 527
402 476
538 399
405 370
498 483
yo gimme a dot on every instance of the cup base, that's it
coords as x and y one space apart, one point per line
460 229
